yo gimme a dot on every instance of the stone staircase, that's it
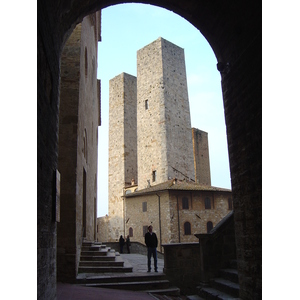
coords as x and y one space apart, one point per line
103 267
97 258
225 287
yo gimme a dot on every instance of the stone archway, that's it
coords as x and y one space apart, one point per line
233 29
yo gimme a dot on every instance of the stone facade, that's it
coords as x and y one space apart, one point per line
201 156
78 143
163 115
122 165
172 204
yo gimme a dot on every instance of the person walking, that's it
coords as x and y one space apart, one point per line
151 243
128 244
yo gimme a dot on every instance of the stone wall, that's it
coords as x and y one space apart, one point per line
201 156
78 144
163 114
182 266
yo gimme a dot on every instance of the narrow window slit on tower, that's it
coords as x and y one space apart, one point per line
146 104
153 176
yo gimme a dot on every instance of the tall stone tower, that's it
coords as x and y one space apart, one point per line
164 135
122 166
201 156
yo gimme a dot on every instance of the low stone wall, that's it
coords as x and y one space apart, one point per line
189 265
135 247
182 266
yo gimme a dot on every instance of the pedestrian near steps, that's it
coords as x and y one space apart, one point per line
121 243
151 243
128 244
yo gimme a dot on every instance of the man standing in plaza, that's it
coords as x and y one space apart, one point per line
151 243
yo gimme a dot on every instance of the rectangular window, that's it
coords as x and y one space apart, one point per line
185 203
146 104
153 176
144 206
145 230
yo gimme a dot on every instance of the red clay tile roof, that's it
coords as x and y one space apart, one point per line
174 184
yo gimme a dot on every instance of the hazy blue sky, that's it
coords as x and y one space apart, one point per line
127 28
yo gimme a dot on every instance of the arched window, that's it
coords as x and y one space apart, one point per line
187 228
130 232
209 226
185 203
207 203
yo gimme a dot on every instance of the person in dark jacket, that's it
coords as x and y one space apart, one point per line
151 243
128 244
121 243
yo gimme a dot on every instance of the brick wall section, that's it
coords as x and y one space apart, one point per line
163 129
78 140
242 104
67 155
201 156
122 147
182 266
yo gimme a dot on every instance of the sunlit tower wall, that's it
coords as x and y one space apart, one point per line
164 135
122 165
201 156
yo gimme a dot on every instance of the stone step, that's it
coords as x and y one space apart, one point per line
194 297
230 274
171 291
120 278
102 252
94 263
98 258
214 294
226 286
134 285
95 248
105 269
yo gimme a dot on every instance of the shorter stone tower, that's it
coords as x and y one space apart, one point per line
201 156
122 165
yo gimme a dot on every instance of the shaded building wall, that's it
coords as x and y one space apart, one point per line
67 155
78 144
122 166
201 156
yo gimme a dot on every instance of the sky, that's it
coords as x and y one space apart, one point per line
126 28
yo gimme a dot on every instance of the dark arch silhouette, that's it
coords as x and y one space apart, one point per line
233 29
